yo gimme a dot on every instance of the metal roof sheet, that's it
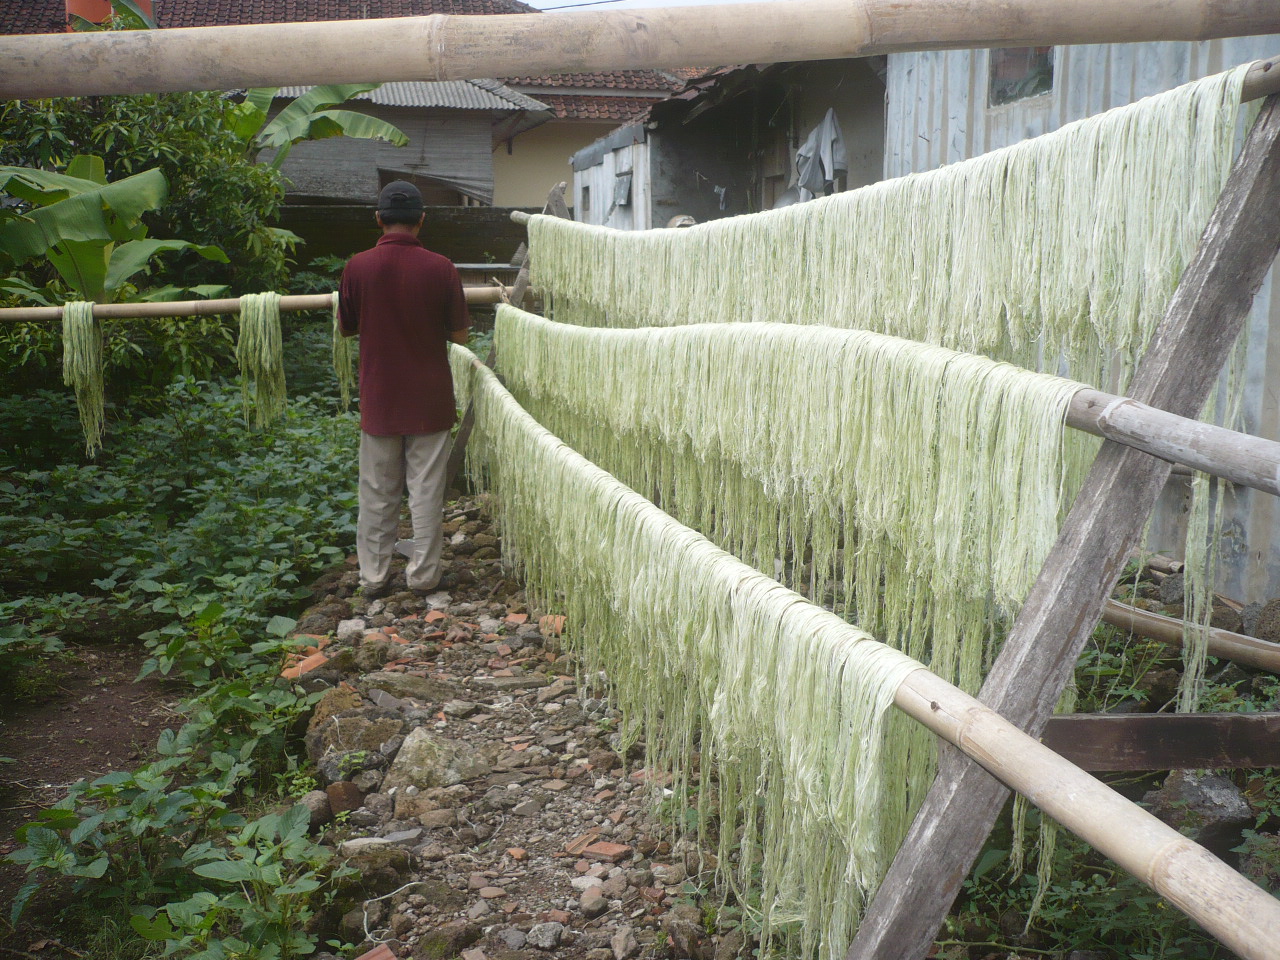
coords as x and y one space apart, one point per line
456 94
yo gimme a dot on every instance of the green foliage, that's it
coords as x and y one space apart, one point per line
308 117
203 529
89 230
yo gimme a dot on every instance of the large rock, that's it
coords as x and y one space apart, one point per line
346 734
1268 624
1210 808
428 761
338 700
335 766
404 686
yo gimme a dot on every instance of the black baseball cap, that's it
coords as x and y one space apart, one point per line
400 196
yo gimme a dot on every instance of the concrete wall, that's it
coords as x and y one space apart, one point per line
937 113
535 161
857 95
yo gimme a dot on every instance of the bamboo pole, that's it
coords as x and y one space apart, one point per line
1240 914
1226 644
209 308
1238 457
444 47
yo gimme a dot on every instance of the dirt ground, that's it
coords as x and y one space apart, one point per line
94 718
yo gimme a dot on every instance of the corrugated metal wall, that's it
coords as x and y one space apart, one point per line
601 179
937 113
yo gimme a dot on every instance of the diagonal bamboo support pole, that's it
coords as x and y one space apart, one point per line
443 47
1103 528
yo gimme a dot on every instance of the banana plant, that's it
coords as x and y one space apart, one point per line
308 117
89 230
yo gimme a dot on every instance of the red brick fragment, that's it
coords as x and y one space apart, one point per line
515 619
517 853
380 952
580 843
607 850
312 662
552 625
435 616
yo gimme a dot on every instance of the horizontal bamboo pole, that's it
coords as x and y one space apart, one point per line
1238 457
209 308
445 47
1237 647
1239 913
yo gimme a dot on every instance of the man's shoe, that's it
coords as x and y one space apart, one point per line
375 593
447 581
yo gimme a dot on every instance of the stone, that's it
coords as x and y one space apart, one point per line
1249 617
730 945
545 936
508 684
527 808
592 903
403 836
344 796
349 848
479 909
624 944
475 953
688 938
335 701
1267 626
426 761
406 686
438 819
335 766
1210 808
380 952
374 651
492 893
346 734
447 941
433 852
1172 588
583 884
349 630
615 888
461 709
317 804
368 780
555 690
512 938
386 701
669 874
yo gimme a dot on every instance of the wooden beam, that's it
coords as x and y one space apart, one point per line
1239 913
1103 528
1166 741
208 308
1237 647
443 47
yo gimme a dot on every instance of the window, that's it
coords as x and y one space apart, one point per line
586 199
1020 72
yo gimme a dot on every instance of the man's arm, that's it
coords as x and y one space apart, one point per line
460 336
459 315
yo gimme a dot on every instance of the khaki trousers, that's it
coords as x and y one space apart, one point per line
389 465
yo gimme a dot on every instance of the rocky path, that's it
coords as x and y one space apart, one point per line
477 789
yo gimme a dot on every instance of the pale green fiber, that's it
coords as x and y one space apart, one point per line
1070 243
344 359
925 486
787 703
82 369
261 357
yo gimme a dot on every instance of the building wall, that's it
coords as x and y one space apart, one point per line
453 145
937 113
857 95
538 159
594 190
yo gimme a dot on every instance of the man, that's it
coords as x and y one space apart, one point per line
406 303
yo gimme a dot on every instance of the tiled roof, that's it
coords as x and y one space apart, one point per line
584 106
49 16
33 16
458 94
209 13
609 80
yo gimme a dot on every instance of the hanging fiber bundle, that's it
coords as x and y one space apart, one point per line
1070 243
82 369
261 358
800 757
924 486
344 358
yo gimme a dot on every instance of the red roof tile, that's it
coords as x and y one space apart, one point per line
585 106
609 80
33 16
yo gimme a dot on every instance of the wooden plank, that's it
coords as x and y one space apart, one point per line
1166 741
1103 528
555 206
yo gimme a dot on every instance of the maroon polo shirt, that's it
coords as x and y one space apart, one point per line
403 301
